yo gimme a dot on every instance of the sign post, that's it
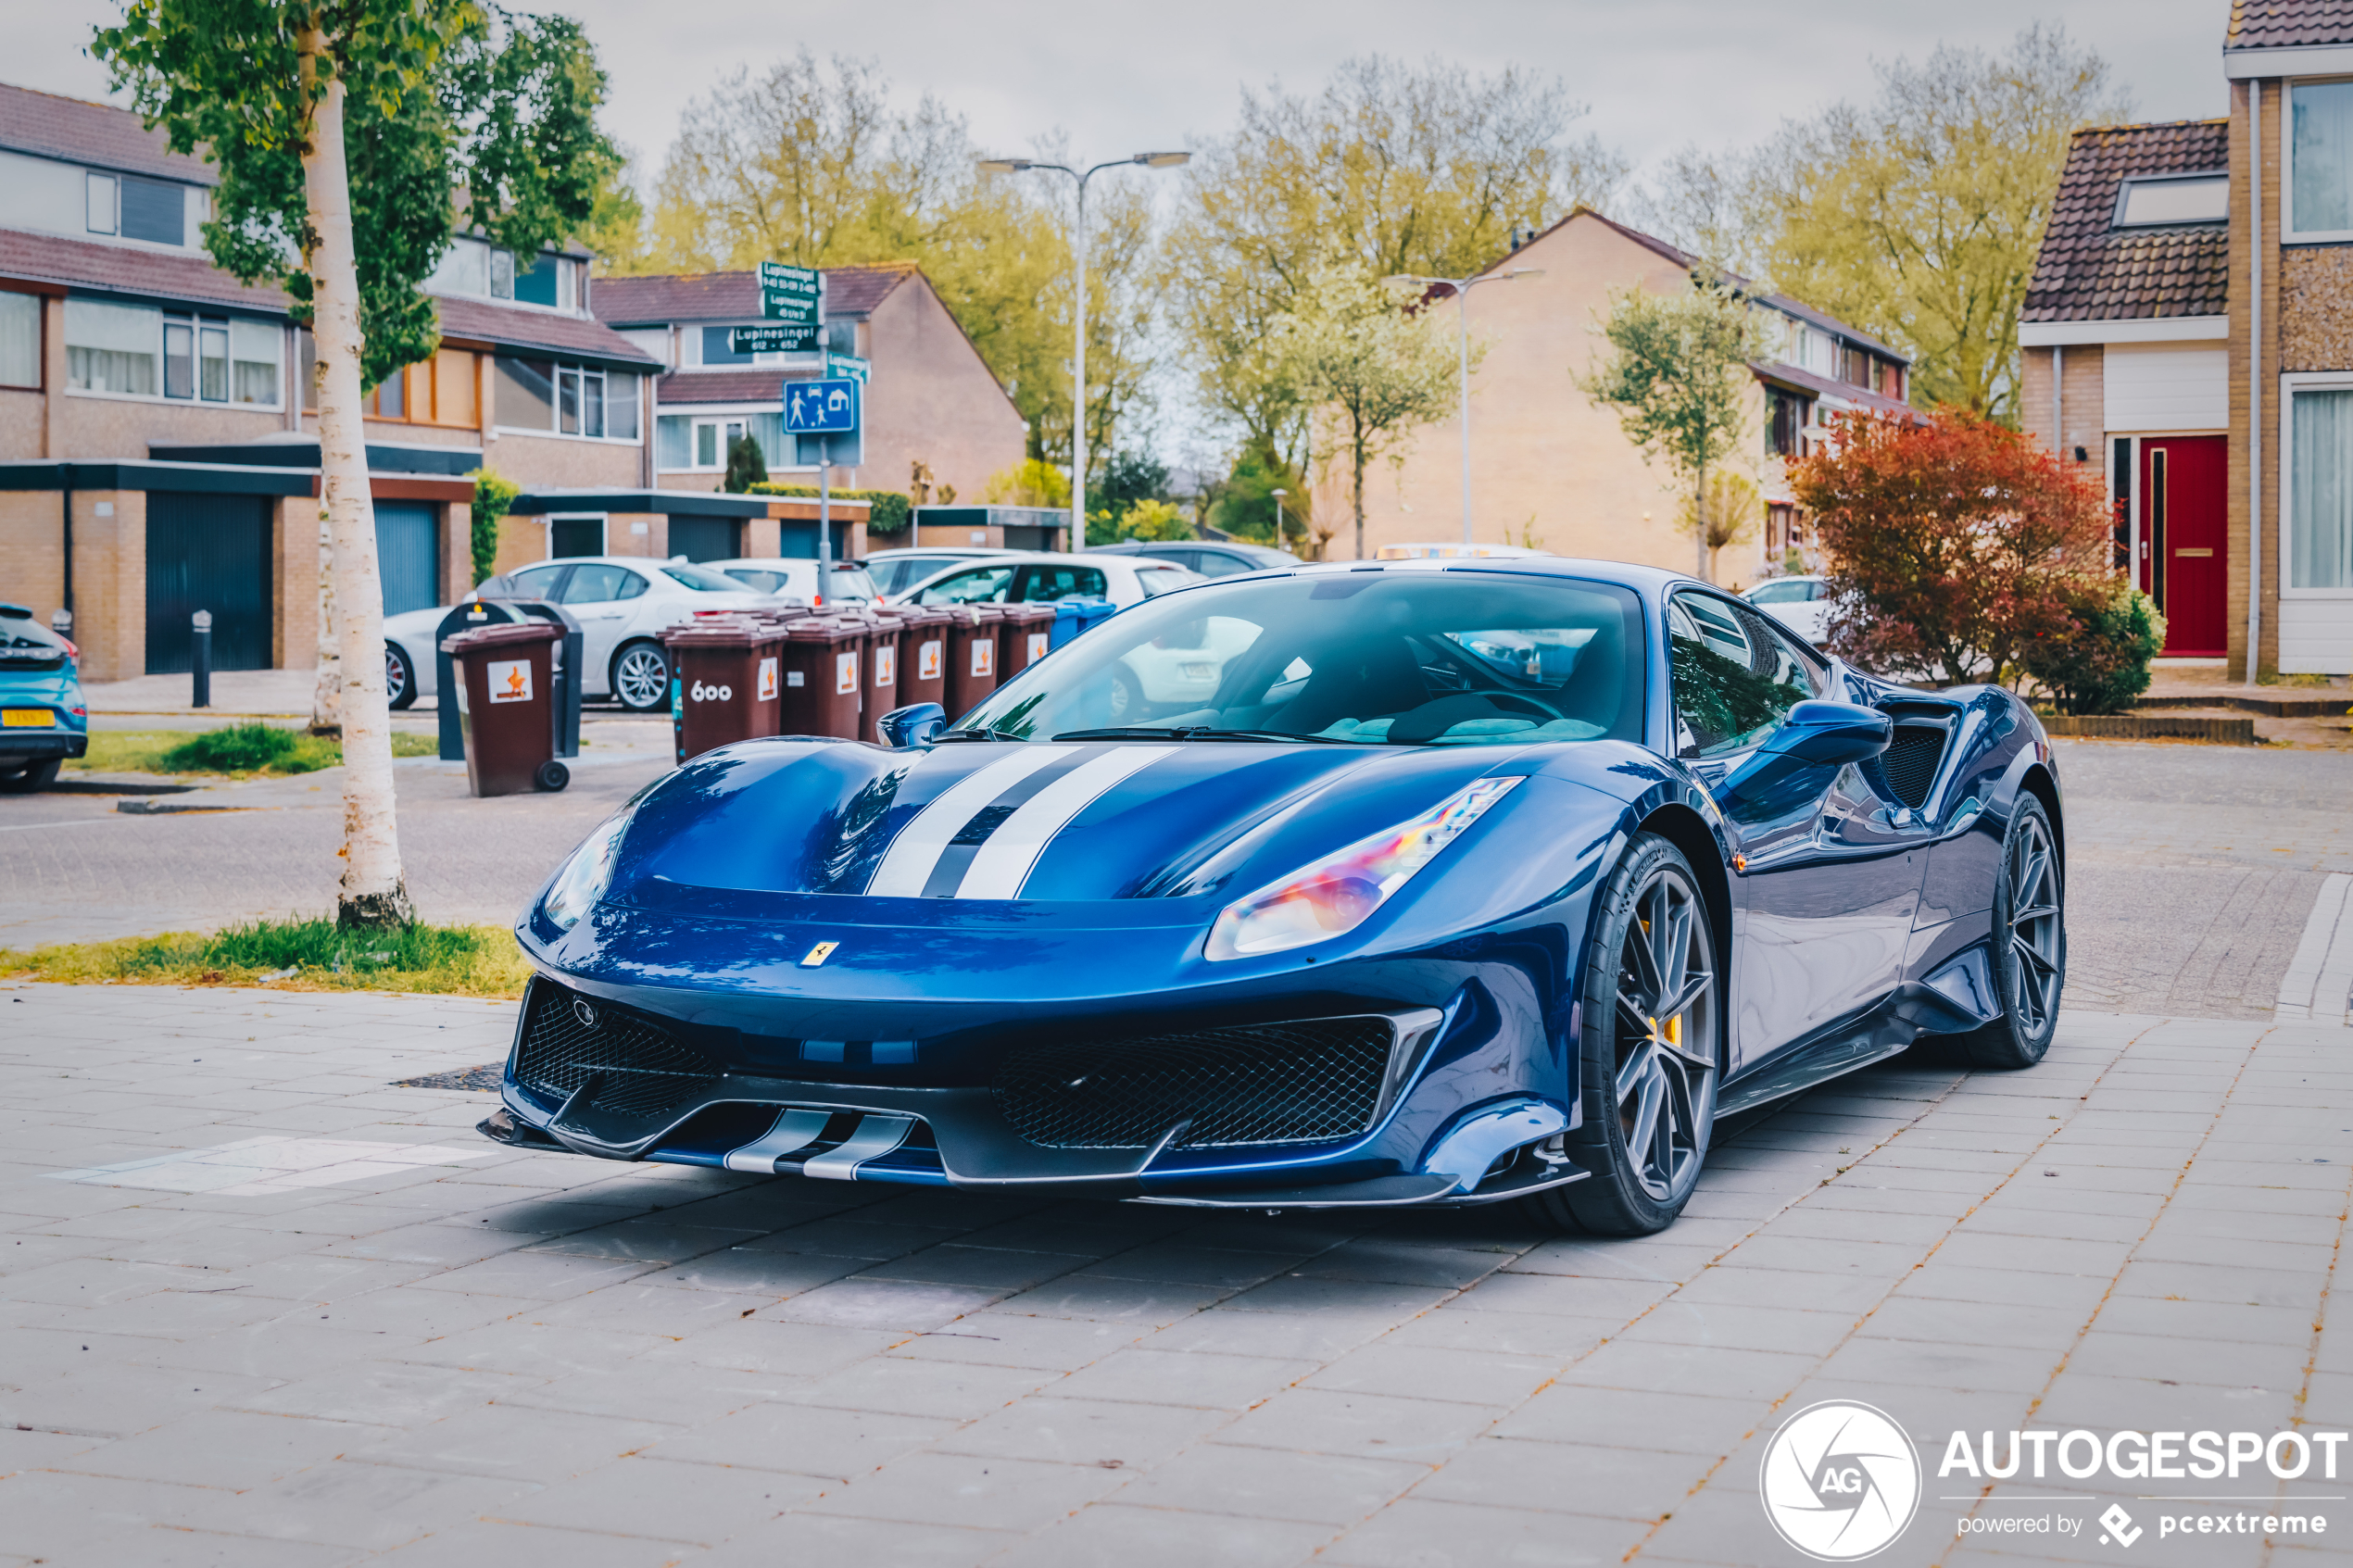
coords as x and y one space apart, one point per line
824 410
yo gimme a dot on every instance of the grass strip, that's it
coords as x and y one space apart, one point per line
306 955
240 751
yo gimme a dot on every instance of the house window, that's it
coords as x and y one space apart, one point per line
19 339
113 349
1785 417
179 359
541 283
685 442
2196 198
439 391
215 361
502 275
1853 365
2319 544
539 395
155 210
100 198
2319 159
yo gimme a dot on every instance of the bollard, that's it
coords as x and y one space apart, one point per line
200 659
62 623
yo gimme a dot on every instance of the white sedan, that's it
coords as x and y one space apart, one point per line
621 603
1802 604
1041 577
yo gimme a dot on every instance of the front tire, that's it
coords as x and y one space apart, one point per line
1650 1052
400 682
2029 945
641 678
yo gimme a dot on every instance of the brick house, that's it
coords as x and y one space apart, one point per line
2191 329
156 455
1551 469
930 398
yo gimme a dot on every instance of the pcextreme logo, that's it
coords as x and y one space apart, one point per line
1840 1481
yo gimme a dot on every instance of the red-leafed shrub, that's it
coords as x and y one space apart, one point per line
1953 544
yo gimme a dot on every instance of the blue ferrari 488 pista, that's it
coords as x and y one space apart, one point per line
1464 881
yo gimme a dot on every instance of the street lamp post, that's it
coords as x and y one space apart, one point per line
1461 288
1078 354
1279 516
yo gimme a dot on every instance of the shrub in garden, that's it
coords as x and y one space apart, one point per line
1954 543
2099 661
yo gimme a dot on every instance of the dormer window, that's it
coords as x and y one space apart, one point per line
2164 200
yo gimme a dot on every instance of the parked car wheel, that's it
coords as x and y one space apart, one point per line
641 677
2029 945
1127 698
400 682
33 776
1653 1043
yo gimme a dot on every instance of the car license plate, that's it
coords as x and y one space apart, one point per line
25 719
1200 672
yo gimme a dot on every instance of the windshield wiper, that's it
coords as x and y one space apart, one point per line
1198 732
979 734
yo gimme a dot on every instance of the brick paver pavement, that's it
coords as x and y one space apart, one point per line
508 1358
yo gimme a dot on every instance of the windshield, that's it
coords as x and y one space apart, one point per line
1385 657
702 579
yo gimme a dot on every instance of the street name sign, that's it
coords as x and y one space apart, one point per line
773 337
791 294
848 367
821 407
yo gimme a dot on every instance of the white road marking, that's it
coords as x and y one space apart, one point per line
907 864
1003 863
2319 982
254 1167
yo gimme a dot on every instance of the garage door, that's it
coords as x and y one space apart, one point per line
409 555
704 538
207 551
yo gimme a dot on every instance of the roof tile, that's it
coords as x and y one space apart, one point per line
661 298
481 320
2279 24
187 277
2090 270
98 134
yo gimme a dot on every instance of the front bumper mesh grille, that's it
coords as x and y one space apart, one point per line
1262 1083
641 1069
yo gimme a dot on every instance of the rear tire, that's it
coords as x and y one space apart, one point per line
1651 1050
400 682
2030 946
31 778
641 678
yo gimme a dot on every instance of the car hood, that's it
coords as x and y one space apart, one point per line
1077 821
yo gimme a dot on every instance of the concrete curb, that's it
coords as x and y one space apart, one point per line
116 784
2331 707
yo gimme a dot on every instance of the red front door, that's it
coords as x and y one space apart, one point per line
2185 541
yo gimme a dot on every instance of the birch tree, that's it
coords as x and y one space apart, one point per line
421 99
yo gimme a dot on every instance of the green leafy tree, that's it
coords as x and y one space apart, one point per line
343 132
1727 515
1372 371
2099 661
1395 167
1031 483
1247 507
1676 372
494 493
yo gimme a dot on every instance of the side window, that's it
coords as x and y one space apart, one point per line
1160 581
1734 680
1217 563
981 585
598 584
539 582
1043 584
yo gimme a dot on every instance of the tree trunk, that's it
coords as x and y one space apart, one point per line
1699 525
373 893
1359 494
326 692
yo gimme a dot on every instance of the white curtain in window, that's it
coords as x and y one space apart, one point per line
620 405
2321 157
112 347
673 442
2321 500
19 339
255 350
769 431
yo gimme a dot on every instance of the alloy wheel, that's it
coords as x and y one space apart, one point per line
395 676
641 678
2030 870
1666 1034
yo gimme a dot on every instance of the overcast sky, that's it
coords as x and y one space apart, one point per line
1117 77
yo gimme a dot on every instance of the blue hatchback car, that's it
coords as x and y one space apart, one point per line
42 718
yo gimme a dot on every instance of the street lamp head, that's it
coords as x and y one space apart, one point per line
1279 495
1004 164
1164 160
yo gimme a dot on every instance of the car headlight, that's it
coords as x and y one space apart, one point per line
1339 893
582 881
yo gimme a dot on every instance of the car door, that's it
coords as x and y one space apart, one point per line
599 595
1824 908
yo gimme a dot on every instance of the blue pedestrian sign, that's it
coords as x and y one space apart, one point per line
821 407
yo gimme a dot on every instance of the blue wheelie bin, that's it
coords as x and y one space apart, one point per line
1092 612
1068 622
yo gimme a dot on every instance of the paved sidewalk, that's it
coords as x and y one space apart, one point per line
335 1327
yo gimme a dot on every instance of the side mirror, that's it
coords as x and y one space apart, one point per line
1785 770
915 724
1831 734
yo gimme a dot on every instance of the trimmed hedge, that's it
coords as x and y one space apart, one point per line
892 512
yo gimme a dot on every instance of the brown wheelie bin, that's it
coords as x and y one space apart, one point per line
824 683
1022 638
726 680
885 662
506 707
923 655
972 657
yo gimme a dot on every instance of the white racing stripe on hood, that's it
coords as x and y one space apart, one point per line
1005 860
907 865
